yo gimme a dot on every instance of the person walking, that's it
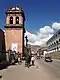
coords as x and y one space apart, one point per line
38 55
19 59
33 60
29 60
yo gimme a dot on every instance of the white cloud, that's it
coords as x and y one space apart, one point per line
31 37
56 25
43 35
46 30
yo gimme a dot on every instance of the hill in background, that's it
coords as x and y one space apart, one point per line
34 47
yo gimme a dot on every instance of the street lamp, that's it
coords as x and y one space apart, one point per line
26 40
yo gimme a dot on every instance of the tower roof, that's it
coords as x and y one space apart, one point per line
15 9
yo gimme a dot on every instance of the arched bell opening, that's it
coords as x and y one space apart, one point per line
11 20
17 20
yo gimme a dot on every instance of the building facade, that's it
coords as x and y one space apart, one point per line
53 44
2 41
2 46
14 30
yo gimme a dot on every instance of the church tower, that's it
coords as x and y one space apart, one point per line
14 29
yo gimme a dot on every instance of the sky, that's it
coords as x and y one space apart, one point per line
42 18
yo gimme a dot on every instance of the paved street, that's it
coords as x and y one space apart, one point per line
51 68
41 71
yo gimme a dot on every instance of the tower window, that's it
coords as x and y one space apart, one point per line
17 20
11 20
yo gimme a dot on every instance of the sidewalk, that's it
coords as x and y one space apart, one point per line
20 72
56 60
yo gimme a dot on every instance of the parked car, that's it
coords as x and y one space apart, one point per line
48 59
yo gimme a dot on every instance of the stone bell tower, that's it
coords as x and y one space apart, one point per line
14 29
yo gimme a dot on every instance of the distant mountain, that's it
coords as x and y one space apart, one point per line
34 47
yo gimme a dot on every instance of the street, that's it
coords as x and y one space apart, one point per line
52 69
41 71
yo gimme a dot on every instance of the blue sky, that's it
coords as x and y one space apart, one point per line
42 17
38 13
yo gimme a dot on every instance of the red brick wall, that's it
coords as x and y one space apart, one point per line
14 36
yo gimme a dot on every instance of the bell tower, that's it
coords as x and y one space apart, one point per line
14 29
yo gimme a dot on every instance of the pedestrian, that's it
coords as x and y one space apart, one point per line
33 60
38 55
29 60
19 58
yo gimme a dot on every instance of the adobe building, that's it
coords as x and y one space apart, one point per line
14 29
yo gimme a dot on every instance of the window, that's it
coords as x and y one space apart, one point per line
17 20
11 20
57 42
58 33
54 44
59 39
57 48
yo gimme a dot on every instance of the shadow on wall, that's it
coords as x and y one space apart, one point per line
2 46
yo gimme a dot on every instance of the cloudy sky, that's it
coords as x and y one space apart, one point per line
42 18
43 34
